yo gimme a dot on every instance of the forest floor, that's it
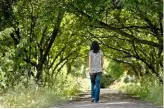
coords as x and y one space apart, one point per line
108 99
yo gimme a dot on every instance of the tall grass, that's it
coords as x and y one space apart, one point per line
153 94
147 88
29 97
39 97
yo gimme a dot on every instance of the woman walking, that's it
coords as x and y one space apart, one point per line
95 70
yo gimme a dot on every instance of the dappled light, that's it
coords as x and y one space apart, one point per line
45 50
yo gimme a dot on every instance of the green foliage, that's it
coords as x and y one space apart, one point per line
152 95
112 72
149 89
115 69
37 29
32 97
72 91
39 40
106 80
35 97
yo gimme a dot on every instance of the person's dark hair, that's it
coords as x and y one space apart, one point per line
95 47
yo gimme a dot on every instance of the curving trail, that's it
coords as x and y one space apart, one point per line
108 99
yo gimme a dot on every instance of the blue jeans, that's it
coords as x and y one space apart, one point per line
95 85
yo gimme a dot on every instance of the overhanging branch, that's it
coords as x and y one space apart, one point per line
77 11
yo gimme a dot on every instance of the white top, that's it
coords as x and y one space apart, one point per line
95 62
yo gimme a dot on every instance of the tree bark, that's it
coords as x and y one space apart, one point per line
49 45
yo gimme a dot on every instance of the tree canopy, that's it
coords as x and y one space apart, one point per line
39 37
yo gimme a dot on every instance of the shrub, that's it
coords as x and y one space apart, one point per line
147 89
36 97
106 80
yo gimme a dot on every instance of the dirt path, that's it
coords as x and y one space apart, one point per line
108 99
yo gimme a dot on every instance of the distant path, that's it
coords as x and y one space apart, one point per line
108 99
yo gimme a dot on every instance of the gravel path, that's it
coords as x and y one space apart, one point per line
108 99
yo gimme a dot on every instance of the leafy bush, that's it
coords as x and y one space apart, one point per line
115 69
113 72
36 97
156 95
148 88
106 80
32 97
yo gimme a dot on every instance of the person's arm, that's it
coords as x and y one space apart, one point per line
102 61
89 63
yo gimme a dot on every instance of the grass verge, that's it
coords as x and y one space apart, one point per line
147 90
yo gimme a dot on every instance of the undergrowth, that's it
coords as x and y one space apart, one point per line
39 97
147 88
